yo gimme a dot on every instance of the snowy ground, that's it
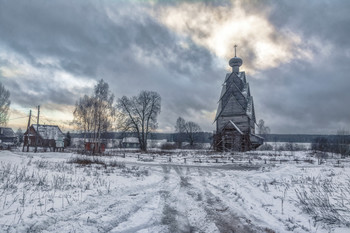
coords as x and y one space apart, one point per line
251 192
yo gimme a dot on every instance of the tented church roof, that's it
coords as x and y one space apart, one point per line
236 86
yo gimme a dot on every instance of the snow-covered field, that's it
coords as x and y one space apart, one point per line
191 192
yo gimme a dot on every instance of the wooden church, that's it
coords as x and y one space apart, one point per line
235 116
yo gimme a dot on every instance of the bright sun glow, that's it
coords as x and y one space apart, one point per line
219 28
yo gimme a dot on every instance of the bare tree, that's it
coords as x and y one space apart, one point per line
262 129
4 104
180 129
68 140
192 130
342 144
139 114
94 114
104 111
83 116
19 134
188 130
320 144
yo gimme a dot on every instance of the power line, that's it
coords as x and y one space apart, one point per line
48 120
18 118
54 121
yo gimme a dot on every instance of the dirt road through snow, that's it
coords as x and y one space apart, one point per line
179 200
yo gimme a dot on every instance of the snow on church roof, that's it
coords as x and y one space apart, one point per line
236 127
49 131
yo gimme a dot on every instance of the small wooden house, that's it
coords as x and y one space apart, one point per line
235 116
47 136
8 138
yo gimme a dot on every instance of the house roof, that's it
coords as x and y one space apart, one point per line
49 131
7 132
130 140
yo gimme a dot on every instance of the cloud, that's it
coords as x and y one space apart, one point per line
220 27
309 95
58 49
306 96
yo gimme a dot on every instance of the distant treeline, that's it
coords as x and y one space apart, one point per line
307 138
207 137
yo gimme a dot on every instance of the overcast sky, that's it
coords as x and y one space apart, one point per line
296 56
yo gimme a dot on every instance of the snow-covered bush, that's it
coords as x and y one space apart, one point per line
265 146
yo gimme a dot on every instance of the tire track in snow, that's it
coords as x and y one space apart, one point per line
174 212
160 214
148 216
217 211
241 194
196 216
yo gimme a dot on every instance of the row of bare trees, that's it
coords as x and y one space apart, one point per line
186 131
99 113
96 114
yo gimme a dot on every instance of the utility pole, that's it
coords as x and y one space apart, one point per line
37 130
30 116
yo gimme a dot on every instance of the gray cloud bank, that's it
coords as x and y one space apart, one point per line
310 96
123 43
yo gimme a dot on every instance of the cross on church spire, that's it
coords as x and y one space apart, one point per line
235 62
